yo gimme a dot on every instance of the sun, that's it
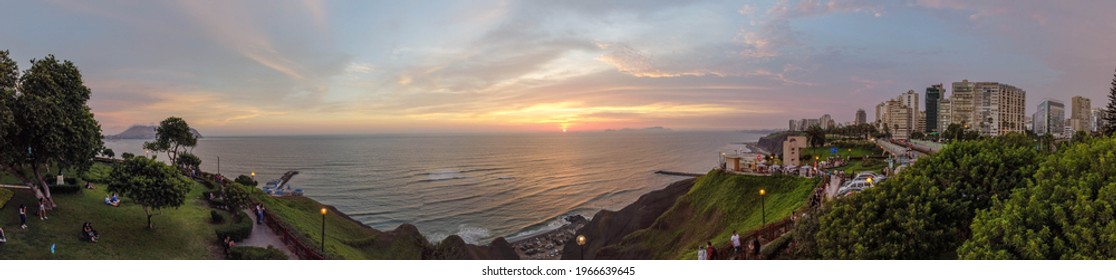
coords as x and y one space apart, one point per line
565 127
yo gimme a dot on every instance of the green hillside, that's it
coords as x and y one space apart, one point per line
717 204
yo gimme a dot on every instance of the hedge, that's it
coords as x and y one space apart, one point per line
256 253
239 230
5 195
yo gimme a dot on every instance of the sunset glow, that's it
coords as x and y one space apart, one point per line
316 67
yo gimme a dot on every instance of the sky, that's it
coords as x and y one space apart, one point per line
363 67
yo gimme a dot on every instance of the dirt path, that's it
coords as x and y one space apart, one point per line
262 236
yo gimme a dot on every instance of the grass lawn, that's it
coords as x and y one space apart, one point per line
718 204
182 233
345 239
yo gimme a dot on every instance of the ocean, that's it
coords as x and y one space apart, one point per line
478 186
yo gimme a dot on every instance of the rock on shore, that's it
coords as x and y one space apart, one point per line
548 245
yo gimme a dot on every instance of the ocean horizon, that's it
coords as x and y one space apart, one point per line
479 186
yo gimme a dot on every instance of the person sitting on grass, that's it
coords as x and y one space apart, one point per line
88 232
115 201
3 238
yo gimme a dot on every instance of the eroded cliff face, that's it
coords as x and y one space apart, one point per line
608 228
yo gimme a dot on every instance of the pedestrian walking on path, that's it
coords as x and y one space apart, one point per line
22 216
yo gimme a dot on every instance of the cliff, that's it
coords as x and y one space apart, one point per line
774 142
672 223
608 227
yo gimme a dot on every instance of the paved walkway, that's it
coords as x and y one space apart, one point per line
262 236
834 184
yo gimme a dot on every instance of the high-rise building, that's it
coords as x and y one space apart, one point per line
910 99
825 121
861 117
921 122
962 104
897 117
934 95
793 125
1081 114
1098 122
1050 118
945 114
998 108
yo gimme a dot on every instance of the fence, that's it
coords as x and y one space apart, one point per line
772 231
292 239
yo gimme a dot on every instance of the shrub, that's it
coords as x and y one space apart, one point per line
256 253
98 173
5 195
216 218
70 181
246 180
239 230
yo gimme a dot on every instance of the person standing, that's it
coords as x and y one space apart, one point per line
756 248
735 244
701 253
22 216
710 251
42 210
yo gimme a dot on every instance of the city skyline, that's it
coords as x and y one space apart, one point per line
310 67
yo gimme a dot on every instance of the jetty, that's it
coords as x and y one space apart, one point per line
678 173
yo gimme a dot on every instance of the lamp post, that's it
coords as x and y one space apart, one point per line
324 211
218 165
870 182
763 205
581 245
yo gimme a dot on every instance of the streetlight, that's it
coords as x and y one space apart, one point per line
581 245
324 211
253 175
870 181
763 205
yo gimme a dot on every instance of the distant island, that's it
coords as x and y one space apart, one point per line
657 128
142 132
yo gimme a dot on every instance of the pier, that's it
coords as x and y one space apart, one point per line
677 173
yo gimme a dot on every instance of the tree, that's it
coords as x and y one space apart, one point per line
51 126
246 180
236 196
1110 111
172 136
188 160
127 156
108 153
1065 212
925 212
815 136
9 75
150 183
918 135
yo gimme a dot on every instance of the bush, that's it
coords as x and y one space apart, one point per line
216 218
70 181
5 195
256 253
98 173
65 189
239 230
245 180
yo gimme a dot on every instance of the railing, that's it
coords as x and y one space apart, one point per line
291 239
771 231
